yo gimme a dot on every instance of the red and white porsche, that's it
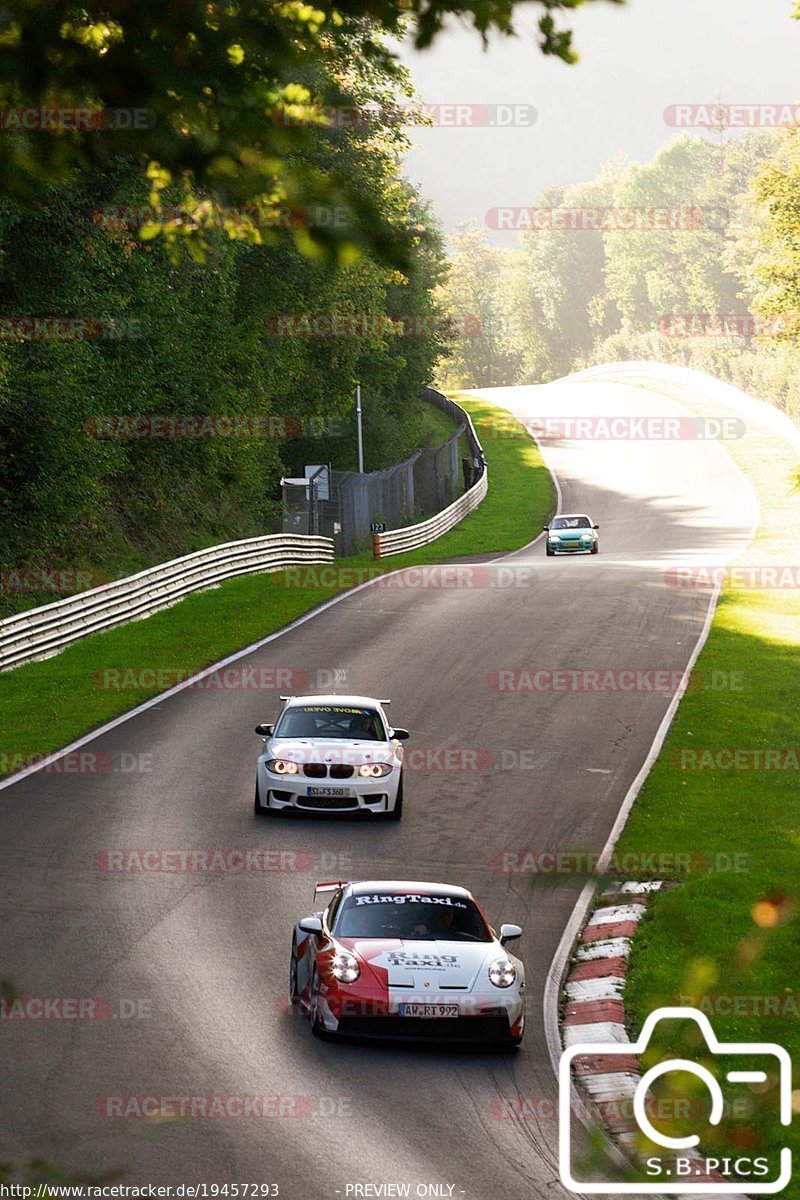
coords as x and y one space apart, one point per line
406 960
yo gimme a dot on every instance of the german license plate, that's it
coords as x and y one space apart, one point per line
428 1010
331 792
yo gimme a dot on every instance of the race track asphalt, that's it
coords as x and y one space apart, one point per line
206 954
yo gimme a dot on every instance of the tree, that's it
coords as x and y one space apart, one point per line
773 278
557 291
225 101
197 341
655 273
477 312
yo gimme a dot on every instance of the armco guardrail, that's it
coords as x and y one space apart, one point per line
395 541
40 632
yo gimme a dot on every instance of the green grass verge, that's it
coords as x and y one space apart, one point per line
45 705
434 427
727 939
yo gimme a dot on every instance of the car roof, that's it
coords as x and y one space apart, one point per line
588 518
404 885
351 701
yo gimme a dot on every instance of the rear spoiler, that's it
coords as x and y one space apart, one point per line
294 698
331 885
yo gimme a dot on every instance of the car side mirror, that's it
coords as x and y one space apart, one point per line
311 925
400 734
264 730
595 527
545 527
509 933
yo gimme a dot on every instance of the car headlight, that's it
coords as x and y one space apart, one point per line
345 967
502 972
374 770
554 537
586 537
282 766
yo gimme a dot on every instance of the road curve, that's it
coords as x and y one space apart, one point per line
207 952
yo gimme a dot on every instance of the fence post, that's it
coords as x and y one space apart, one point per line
376 546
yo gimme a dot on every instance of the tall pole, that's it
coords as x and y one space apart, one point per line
360 432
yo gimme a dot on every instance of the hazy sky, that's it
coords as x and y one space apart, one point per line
636 59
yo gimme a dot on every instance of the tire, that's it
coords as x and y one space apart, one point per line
317 1028
596 548
549 552
397 812
294 995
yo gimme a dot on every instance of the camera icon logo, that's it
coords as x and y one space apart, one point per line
679 1167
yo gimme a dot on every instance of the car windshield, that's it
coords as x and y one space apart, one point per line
571 523
331 721
412 917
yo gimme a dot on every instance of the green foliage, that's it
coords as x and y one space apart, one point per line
229 99
654 273
557 288
473 296
568 299
775 276
197 339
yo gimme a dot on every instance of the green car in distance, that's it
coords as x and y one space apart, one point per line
571 533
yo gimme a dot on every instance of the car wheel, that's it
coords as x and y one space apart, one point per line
397 812
549 552
294 994
317 1028
596 548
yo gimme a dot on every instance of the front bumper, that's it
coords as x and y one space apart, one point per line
570 547
482 1017
353 795
491 1027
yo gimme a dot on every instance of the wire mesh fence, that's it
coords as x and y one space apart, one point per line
423 484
